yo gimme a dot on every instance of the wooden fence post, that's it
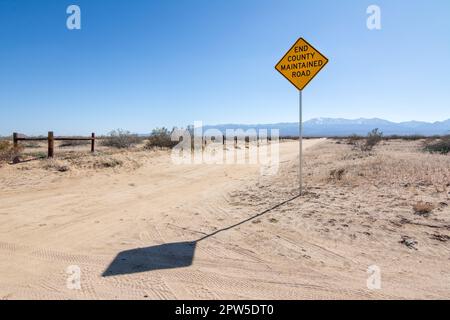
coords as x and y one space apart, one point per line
15 141
93 142
51 144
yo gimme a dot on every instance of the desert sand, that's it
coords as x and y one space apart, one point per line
140 227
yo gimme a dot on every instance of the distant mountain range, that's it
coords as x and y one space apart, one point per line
326 127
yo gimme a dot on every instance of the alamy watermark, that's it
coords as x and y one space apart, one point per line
374 280
73 22
73 281
374 19
232 147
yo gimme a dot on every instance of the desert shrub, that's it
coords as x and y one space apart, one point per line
120 139
441 146
8 152
160 137
373 138
423 208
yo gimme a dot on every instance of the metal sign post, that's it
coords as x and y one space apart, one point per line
300 65
300 139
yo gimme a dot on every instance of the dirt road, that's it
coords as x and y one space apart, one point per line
50 223
149 229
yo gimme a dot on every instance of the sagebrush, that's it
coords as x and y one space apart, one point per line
160 138
366 144
373 138
120 139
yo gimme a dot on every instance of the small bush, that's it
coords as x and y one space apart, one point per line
120 139
373 138
423 208
161 138
441 146
8 152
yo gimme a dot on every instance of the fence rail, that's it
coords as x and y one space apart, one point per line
51 141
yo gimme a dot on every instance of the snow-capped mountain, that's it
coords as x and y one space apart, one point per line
343 127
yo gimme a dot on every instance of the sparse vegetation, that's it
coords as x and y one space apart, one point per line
413 137
441 146
354 137
37 155
120 139
160 138
74 143
31 145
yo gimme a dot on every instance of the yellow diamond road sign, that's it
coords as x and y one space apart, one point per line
301 64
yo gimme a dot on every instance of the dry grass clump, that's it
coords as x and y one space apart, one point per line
336 174
8 152
423 208
160 138
107 162
80 160
56 165
120 139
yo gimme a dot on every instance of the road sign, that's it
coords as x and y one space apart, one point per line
301 64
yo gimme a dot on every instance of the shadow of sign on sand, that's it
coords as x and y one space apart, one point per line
168 255
164 256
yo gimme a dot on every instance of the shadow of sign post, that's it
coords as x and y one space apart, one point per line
168 255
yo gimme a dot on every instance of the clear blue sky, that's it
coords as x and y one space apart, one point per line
141 64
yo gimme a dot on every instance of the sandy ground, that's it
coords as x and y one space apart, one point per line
139 227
